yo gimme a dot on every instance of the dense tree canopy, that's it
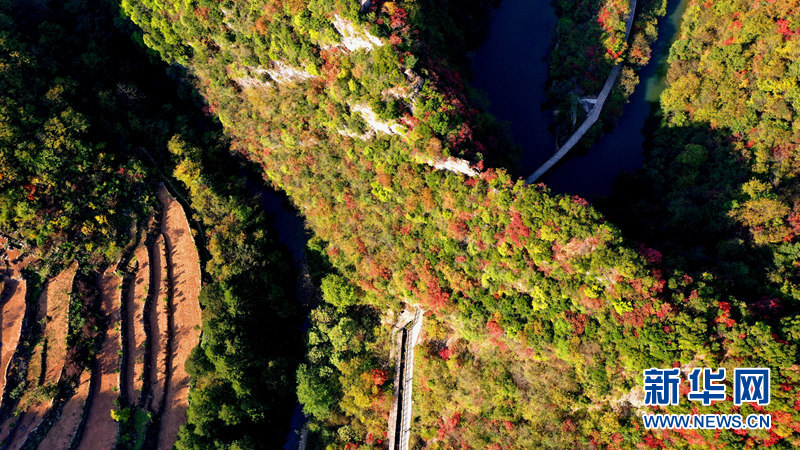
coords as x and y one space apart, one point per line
355 117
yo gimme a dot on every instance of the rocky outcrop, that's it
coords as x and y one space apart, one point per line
352 38
375 123
452 164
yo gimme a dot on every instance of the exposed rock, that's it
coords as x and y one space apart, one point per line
416 81
409 91
252 82
375 123
353 39
363 136
399 91
284 73
452 164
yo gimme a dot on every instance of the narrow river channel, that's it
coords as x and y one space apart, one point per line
511 68
290 229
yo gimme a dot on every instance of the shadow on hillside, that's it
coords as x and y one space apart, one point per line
680 203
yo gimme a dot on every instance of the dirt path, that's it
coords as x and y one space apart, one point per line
184 274
48 360
60 435
158 324
13 312
101 429
134 317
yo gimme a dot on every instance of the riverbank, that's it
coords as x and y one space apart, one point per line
513 70
591 173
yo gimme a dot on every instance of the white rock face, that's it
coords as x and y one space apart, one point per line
353 39
375 123
456 165
251 82
635 397
363 136
284 73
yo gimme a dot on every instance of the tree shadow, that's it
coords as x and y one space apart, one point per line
681 203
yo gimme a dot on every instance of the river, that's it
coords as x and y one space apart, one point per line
291 232
511 68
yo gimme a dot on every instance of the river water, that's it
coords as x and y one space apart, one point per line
291 232
511 68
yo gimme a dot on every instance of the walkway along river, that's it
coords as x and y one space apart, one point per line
511 67
594 114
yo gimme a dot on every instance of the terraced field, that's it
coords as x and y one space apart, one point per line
183 272
135 325
64 431
12 312
101 429
150 322
159 325
47 363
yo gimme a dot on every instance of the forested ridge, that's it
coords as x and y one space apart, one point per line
351 113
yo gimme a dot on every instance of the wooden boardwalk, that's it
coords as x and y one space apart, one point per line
400 416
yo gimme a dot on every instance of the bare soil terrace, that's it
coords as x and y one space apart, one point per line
185 276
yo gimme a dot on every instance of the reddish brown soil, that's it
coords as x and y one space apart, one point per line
101 429
158 325
60 435
13 311
32 411
56 309
186 315
53 310
134 317
26 403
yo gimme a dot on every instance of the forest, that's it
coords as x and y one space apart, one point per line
541 310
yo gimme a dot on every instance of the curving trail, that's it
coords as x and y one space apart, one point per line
594 114
183 267
101 429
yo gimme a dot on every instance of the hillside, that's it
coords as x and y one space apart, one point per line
93 128
362 119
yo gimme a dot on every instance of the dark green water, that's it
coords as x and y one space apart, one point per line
511 68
